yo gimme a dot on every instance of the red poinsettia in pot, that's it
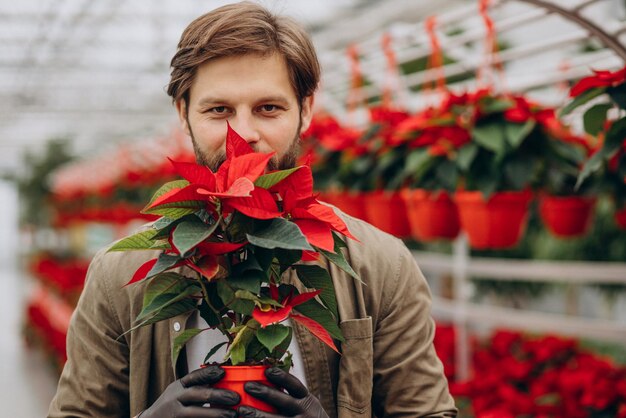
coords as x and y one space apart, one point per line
430 139
332 149
232 243
565 210
497 167
379 172
605 120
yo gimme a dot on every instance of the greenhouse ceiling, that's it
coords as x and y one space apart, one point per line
95 71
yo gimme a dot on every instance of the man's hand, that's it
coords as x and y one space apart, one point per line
297 402
184 397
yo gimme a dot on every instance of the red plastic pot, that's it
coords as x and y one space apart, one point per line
497 223
387 211
432 215
620 218
567 216
237 376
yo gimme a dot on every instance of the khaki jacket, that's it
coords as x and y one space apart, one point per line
388 366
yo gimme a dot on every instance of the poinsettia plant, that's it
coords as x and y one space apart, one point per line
228 242
430 141
606 120
507 143
331 147
381 166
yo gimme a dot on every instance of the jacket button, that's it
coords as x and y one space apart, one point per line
176 326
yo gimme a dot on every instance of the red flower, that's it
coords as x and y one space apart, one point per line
315 220
271 315
600 79
233 184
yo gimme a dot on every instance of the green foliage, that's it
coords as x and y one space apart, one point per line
33 181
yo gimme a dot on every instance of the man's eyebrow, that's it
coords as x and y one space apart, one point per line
274 99
212 100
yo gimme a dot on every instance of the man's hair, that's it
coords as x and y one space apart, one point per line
239 29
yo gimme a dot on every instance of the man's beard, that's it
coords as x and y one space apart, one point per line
213 161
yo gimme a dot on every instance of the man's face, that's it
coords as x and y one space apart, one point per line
254 95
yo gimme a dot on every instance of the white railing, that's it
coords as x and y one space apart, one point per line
464 313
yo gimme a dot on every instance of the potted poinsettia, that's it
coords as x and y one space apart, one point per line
431 140
565 210
378 171
498 167
228 243
332 149
605 120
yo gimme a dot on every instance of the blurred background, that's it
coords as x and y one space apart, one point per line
460 126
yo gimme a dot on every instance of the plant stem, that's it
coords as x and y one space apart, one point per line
222 326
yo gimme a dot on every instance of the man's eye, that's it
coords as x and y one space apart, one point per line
269 108
218 109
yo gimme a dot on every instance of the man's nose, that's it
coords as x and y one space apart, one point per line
245 126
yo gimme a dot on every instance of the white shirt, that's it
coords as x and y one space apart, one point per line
198 347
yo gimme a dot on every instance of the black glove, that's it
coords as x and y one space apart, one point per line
297 402
185 397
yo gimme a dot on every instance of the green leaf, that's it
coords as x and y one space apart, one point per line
250 281
227 294
188 234
612 143
517 132
237 350
519 172
164 262
338 258
582 99
161 244
249 265
264 257
314 310
618 95
170 311
164 283
280 233
418 162
139 241
166 299
166 188
172 212
490 105
490 136
318 278
268 180
239 226
466 155
181 340
213 350
211 318
272 335
614 138
287 258
163 222
595 117
592 165
447 175
258 300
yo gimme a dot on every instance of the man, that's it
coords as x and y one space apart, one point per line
242 65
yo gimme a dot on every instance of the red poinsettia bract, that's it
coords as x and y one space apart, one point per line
232 184
270 315
315 220
601 78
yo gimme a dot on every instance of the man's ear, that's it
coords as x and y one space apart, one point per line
181 109
306 113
